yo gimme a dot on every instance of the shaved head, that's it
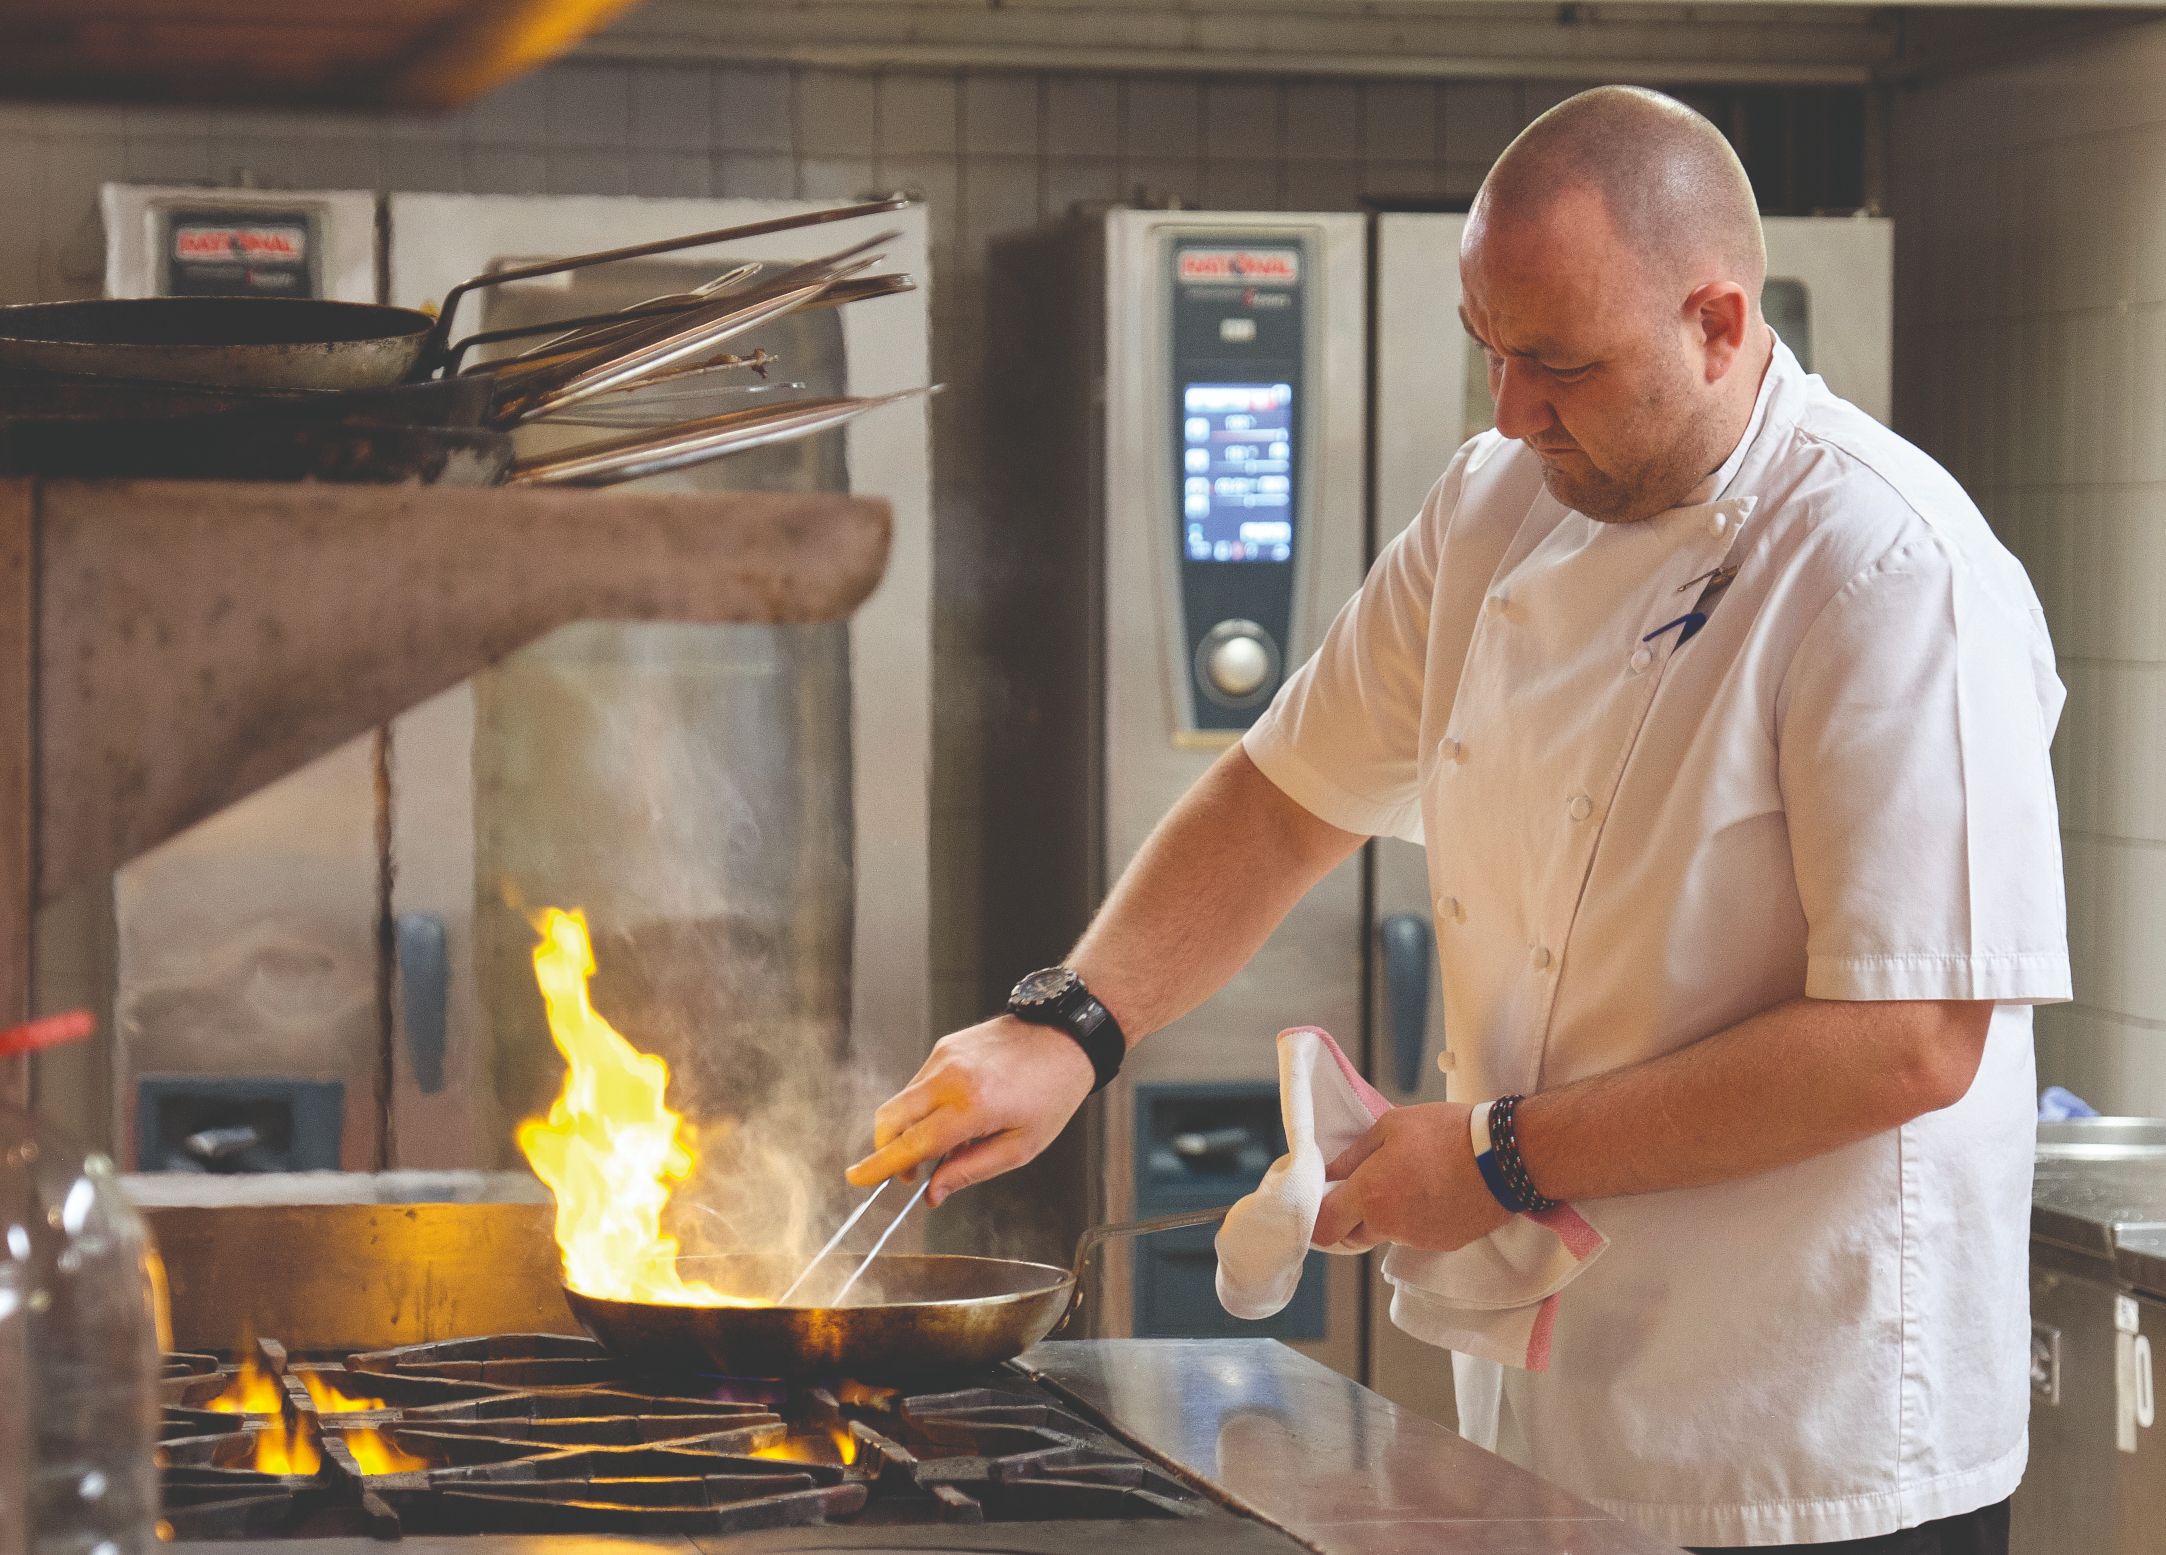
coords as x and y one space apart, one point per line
1672 187
1610 271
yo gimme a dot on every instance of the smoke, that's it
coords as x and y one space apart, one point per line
689 788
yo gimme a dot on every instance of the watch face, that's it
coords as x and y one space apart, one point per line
1044 985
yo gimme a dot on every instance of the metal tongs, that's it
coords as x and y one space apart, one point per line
694 442
843 1230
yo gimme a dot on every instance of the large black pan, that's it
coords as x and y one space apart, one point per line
292 343
927 1315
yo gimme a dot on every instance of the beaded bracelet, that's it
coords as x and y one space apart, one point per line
1502 1168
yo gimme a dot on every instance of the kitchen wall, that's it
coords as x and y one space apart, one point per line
2031 359
992 152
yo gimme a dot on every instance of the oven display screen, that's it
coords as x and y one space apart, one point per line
1237 467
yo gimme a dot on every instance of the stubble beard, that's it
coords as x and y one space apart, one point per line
1651 483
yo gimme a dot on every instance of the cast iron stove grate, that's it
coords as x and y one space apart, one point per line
540 1433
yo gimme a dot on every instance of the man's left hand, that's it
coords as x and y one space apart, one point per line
1412 1180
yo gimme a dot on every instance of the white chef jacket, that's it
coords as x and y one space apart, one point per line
1838 788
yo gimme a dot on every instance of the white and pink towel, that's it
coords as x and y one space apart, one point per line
1495 1298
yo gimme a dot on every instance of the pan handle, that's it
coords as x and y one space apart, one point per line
440 336
1087 1245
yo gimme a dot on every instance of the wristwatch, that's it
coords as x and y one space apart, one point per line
1055 996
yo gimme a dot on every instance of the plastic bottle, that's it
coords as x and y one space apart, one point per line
80 1323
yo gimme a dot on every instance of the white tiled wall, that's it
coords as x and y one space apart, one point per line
992 153
2031 359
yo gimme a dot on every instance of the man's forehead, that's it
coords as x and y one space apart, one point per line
1547 305
1504 333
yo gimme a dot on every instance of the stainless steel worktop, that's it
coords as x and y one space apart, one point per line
1343 1469
2108 1213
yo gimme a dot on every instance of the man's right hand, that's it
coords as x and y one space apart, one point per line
989 1098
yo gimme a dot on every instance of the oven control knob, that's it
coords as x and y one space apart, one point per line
1237 660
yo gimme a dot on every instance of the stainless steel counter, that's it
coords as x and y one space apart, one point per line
1343 1469
2085 1206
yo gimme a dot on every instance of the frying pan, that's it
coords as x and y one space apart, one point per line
288 342
940 1314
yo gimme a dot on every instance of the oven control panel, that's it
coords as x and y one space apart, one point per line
1236 404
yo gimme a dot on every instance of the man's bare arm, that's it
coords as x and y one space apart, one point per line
1795 1081
1215 877
1212 881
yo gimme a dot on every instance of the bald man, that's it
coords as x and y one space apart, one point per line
1724 719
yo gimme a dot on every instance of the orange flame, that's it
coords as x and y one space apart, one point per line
610 1150
837 1446
253 1391
331 1400
286 1448
378 1454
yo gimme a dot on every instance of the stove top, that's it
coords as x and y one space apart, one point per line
544 1434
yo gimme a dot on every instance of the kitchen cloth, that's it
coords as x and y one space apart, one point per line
1495 1298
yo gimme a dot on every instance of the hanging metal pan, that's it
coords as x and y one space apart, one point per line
293 343
237 342
926 1315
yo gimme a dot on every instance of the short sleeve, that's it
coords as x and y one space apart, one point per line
1912 739
1343 735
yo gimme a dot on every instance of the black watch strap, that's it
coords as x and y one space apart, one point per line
1056 997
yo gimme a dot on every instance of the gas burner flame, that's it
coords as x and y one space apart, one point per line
253 1391
378 1454
834 1446
287 1448
610 1150
330 1399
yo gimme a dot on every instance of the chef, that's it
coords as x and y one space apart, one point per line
1724 718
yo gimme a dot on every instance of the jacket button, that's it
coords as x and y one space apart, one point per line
1580 808
1641 658
1539 958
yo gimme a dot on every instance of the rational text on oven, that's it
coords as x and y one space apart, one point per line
1239 266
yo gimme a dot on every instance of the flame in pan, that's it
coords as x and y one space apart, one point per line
610 1150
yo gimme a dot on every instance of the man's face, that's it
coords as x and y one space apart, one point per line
1590 362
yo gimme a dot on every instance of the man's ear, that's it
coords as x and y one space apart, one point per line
1719 313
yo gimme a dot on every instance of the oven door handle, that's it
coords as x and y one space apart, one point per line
424 967
1409 944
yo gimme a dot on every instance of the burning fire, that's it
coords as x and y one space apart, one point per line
610 1150
287 1448
253 1391
378 1454
837 1446
291 1448
331 1400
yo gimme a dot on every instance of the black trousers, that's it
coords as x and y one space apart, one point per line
1983 1532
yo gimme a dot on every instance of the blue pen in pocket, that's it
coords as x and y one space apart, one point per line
1713 583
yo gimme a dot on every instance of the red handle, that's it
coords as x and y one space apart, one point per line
46 1031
